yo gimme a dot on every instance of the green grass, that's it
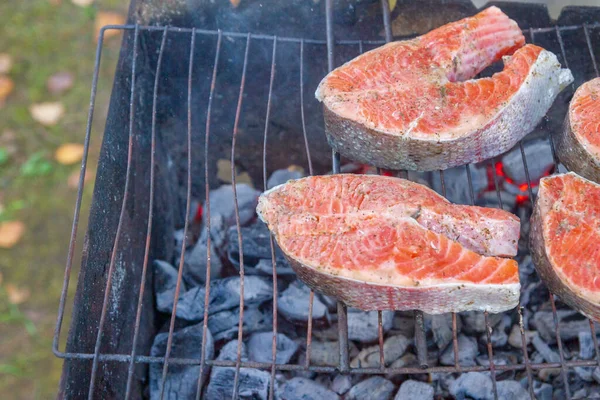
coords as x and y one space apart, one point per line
43 39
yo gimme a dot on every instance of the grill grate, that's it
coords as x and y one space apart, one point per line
344 367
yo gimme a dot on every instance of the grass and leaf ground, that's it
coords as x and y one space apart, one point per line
38 183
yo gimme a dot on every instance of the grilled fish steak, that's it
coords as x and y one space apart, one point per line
565 231
414 105
378 242
578 145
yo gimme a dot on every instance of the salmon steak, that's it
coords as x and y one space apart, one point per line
384 243
414 104
565 232
578 145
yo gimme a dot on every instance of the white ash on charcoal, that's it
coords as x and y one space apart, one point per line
293 304
587 350
323 380
570 324
260 347
467 351
253 383
224 295
585 373
474 321
394 347
515 339
363 325
305 389
330 302
415 390
596 375
475 385
540 162
325 353
165 281
406 361
196 262
182 380
281 176
511 390
542 391
500 358
222 203
549 355
341 383
441 328
499 337
225 324
455 180
256 245
374 387
403 323
490 199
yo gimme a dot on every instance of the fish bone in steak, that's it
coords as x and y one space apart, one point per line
414 105
564 237
378 242
578 144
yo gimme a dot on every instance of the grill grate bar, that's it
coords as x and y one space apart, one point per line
259 36
211 94
590 48
387 25
188 202
113 257
237 222
126 358
563 367
80 186
385 7
306 145
342 310
525 355
519 309
272 245
488 331
310 171
150 218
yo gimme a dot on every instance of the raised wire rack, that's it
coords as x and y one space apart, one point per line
331 42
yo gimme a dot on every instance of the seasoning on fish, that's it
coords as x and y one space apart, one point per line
414 105
377 242
578 145
565 232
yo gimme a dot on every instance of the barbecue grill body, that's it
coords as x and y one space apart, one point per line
359 21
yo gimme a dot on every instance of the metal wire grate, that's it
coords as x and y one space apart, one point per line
344 366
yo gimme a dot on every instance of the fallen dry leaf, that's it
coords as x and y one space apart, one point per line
69 153
108 18
73 179
10 233
224 173
392 4
6 86
17 295
5 63
60 82
82 3
47 113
